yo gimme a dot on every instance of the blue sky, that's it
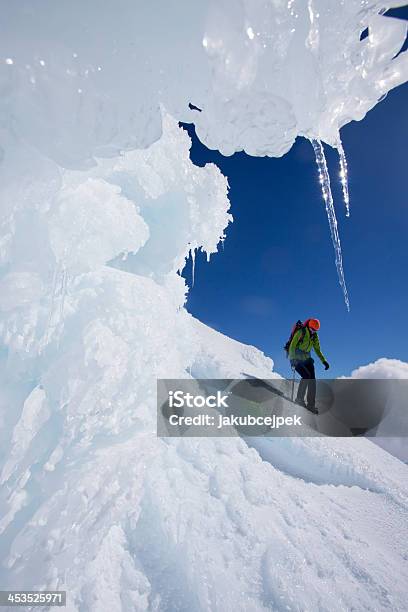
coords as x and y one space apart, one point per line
278 261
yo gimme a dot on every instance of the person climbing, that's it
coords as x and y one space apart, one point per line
303 341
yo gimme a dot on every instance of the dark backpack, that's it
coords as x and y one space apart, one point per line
298 325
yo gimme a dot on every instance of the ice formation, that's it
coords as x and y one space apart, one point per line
324 179
344 177
100 207
79 82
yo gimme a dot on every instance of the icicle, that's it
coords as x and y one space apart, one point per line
344 176
192 251
324 179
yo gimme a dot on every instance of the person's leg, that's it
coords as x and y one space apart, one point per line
311 383
303 373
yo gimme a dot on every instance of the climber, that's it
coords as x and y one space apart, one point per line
305 339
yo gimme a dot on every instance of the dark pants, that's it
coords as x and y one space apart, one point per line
308 383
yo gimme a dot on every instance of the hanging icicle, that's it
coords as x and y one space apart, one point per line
192 252
324 179
344 176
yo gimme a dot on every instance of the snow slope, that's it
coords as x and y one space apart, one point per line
125 521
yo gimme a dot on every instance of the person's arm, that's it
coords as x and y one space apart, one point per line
316 346
294 343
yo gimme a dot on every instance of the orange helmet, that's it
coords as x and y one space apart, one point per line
313 324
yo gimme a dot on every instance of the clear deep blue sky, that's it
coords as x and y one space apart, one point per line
278 262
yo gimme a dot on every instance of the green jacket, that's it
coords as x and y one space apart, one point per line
300 348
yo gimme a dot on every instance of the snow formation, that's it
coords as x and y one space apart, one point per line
100 207
389 369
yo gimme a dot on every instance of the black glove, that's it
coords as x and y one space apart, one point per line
326 365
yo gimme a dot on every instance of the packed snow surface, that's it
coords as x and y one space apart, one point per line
100 207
